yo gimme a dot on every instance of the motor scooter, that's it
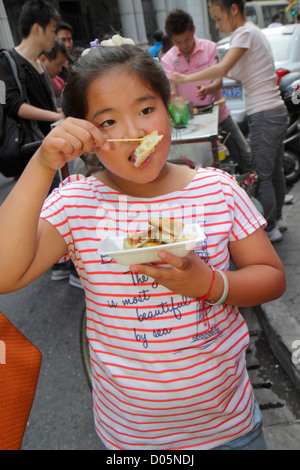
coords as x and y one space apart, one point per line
289 87
290 91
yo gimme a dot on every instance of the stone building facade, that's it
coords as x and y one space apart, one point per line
91 19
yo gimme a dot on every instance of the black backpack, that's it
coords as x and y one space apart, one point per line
16 133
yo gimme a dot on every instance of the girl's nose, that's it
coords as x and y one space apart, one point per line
132 130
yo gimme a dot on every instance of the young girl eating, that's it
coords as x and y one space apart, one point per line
167 341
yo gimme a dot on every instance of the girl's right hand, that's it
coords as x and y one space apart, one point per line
68 141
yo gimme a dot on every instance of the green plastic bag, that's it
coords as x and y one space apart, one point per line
179 114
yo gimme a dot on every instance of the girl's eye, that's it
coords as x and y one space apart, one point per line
146 111
108 123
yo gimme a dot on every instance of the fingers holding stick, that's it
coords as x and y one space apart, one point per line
69 140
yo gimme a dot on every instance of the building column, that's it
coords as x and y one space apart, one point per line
198 10
132 20
128 19
140 22
159 6
172 5
6 39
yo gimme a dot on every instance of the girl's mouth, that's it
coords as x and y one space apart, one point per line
133 157
147 147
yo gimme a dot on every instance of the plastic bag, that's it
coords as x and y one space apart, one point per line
179 112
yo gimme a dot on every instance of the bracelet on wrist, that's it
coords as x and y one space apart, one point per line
203 299
225 290
211 284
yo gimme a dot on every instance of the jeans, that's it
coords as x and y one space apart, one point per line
237 145
253 440
267 130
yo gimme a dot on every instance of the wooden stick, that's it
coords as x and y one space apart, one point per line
228 135
220 101
124 140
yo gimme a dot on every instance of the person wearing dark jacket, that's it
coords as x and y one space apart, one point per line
37 23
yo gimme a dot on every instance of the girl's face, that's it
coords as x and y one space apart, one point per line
123 107
222 19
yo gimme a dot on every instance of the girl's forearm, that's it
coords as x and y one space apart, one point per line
19 217
254 285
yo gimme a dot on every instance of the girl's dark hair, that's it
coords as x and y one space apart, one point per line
36 11
227 4
178 22
102 60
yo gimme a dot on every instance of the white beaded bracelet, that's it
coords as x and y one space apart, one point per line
225 290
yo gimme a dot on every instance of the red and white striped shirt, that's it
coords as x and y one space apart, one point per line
164 377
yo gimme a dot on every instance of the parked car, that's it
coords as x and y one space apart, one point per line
233 91
285 45
261 12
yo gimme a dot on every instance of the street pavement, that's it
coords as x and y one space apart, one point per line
49 314
280 321
281 318
278 399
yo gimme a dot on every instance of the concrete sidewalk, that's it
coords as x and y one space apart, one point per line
281 319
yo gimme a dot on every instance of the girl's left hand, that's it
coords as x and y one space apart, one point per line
189 276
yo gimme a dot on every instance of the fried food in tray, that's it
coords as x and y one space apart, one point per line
160 232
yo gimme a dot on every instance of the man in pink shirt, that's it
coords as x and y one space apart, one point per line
190 54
